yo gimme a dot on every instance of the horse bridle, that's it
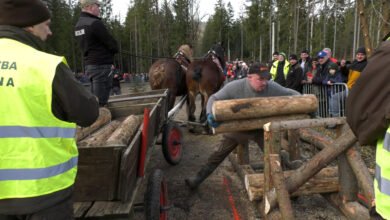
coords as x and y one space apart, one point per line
214 57
181 58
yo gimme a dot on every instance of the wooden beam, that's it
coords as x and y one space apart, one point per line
305 123
254 123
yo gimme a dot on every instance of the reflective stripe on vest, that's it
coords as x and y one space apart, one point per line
36 132
39 173
38 152
383 183
382 177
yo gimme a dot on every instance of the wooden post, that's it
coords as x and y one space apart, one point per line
348 184
271 141
362 174
293 145
319 161
281 190
243 154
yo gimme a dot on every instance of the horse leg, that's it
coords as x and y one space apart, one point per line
203 116
191 106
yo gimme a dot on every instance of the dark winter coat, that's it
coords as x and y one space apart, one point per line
97 45
295 77
322 72
368 103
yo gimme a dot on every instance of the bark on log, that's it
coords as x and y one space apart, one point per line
281 190
317 139
255 123
323 182
348 183
352 210
319 161
103 119
99 138
263 107
125 132
362 174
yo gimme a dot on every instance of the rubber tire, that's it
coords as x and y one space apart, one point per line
156 197
172 152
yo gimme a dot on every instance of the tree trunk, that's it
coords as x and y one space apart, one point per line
263 107
125 131
364 26
386 17
104 118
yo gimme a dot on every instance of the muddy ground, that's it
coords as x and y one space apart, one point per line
222 195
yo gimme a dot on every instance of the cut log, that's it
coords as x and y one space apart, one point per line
225 110
323 182
125 132
305 123
103 119
281 190
352 210
253 124
312 167
99 138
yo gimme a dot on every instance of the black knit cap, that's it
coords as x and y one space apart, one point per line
23 13
259 69
361 50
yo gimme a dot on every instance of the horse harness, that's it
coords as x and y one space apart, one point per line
215 59
182 60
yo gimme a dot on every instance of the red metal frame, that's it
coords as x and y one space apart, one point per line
144 143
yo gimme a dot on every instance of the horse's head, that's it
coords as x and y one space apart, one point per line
219 51
184 55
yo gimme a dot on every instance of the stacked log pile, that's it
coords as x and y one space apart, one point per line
108 132
253 113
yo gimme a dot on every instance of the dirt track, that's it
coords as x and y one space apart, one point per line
222 195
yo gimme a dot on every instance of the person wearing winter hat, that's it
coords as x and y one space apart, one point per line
322 68
354 71
41 103
295 74
255 85
98 48
368 115
279 69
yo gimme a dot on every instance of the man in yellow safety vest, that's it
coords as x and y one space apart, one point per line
41 103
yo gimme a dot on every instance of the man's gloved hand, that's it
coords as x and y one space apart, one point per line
211 121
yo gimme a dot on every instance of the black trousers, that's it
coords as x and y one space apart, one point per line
101 81
230 141
59 211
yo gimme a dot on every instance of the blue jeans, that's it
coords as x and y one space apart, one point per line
101 81
335 103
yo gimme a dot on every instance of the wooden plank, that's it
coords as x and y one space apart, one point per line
81 208
109 209
127 109
128 169
97 176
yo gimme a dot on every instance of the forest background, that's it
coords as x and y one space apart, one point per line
152 29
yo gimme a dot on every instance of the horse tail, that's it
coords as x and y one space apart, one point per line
197 74
156 76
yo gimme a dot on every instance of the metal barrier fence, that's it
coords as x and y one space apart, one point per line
331 99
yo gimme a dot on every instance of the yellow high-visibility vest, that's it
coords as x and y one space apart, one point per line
274 69
38 153
382 176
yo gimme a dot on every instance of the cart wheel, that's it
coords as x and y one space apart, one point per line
172 143
156 197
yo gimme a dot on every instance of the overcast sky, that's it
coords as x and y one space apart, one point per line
206 7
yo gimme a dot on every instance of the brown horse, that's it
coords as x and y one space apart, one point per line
171 73
204 76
